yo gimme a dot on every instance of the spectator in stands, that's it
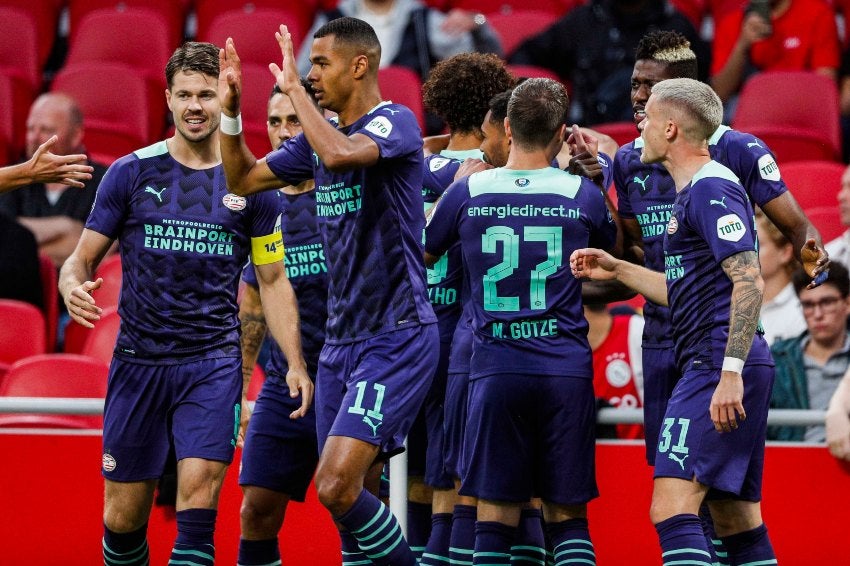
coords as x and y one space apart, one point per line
839 248
809 367
412 34
46 167
838 420
780 309
617 361
593 47
19 265
801 35
52 212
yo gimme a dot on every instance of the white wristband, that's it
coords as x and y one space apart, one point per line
231 126
733 364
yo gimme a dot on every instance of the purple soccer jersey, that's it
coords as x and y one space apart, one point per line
307 272
712 219
646 192
517 230
371 220
183 240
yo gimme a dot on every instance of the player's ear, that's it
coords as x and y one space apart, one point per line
360 66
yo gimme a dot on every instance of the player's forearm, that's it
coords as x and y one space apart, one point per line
253 324
74 273
14 176
237 161
650 284
281 312
787 215
745 302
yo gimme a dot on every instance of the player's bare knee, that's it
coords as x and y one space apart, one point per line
122 519
732 517
336 493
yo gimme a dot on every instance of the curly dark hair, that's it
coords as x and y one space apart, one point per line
459 88
671 48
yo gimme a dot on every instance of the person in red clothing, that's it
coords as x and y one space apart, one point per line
617 362
801 35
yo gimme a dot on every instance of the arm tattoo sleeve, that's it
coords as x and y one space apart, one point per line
253 333
744 272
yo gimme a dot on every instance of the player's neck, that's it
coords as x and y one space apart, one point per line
358 105
463 141
683 165
195 155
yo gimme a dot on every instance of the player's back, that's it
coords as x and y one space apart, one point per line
517 231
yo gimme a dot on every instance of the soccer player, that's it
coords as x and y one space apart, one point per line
280 453
516 225
458 90
711 444
176 373
46 167
381 343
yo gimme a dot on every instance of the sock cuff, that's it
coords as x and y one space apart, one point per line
559 529
465 511
441 519
734 543
361 504
531 514
494 527
677 521
122 543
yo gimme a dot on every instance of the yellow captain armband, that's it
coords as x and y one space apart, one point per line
267 249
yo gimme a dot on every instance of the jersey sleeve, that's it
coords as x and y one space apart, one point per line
607 164
293 161
112 199
439 173
266 239
441 231
394 129
755 165
723 217
620 169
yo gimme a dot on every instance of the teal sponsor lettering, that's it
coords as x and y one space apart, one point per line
673 268
442 295
527 210
538 328
306 260
172 237
498 330
333 200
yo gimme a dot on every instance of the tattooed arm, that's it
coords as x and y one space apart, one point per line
253 324
747 287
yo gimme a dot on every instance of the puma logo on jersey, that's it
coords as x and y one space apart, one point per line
641 182
680 461
373 426
392 111
156 193
754 144
720 202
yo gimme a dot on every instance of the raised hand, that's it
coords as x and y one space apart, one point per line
286 75
81 304
46 167
580 142
815 262
229 78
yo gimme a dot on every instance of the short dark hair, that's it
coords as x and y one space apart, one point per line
459 88
672 49
354 33
498 106
192 56
537 109
838 278
305 83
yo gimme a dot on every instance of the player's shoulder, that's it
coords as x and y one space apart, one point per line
441 163
715 174
629 150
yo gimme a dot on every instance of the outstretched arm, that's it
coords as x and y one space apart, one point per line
75 278
597 265
805 238
46 167
744 307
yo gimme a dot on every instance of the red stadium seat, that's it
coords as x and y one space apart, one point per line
516 27
777 107
110 291
300 13
100 342
253 32
827 220
402 86
171 13
813 183
118 113
132 36
55 375
45 16
19 46
532 72
622 132
22 331
50 297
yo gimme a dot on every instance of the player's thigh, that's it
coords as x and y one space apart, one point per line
660 375
135 421
205 418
